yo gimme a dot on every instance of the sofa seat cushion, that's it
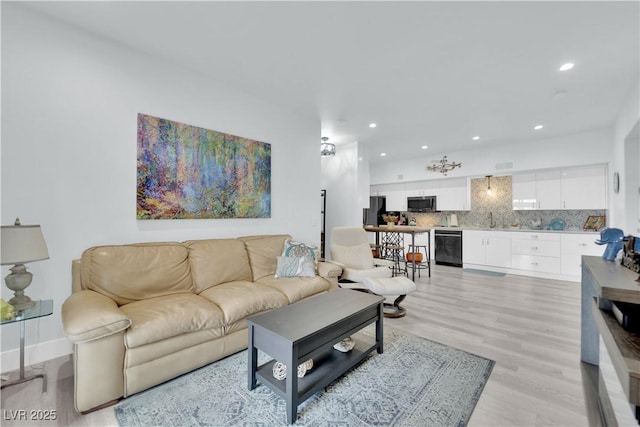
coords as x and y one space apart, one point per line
297 288
240 299
159 318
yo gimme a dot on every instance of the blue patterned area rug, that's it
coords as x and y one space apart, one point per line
415 382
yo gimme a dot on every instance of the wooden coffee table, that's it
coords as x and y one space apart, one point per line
308 330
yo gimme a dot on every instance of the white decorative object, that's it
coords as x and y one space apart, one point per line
345 345
443 166
280 369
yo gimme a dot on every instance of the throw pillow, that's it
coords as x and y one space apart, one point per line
293 266
298 249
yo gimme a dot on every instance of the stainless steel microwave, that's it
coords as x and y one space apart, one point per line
421 204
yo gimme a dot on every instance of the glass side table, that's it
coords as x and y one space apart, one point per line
41 309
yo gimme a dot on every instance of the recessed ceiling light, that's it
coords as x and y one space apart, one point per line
538 127
372 125
475 138
424 147
566 67
383 154
559 94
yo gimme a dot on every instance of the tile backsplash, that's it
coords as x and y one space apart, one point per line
499 205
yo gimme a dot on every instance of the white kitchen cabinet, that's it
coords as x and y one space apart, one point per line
395 194
396 200
536 190
552 255
537 252
420 188
557 189
490 248
532 243
534 263
473 247
454 195
584 188
523 189
573 247
548 185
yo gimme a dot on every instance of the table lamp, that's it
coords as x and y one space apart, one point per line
21 244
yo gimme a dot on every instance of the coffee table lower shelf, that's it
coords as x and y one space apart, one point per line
327 367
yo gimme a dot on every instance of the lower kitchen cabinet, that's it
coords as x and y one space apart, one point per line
573 247
536 263
491 248
553 255
536 252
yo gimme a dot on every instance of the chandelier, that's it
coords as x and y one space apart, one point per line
327 149
443 166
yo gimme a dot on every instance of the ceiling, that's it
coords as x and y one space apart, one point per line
428 73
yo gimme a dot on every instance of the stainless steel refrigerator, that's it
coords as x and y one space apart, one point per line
373 214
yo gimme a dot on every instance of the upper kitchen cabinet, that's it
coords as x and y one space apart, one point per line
556 189
395 194
548 189
420 188
584 188
454 195
536 190
523 189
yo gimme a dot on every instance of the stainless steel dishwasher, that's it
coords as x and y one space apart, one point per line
448 247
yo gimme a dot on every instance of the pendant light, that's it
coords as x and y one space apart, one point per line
327 149
489 191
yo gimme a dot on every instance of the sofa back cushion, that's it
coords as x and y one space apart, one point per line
263 253
216 261
129 273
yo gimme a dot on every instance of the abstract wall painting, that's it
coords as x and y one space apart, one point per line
188 172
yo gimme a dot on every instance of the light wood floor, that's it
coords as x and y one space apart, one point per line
530 327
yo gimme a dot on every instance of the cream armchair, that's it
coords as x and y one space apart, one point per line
350 250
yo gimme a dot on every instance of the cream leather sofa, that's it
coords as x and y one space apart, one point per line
141 314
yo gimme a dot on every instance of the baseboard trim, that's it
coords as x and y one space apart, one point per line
36 353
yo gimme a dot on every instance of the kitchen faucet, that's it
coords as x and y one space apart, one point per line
491 223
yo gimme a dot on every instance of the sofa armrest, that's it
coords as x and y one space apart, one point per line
329 269
89 315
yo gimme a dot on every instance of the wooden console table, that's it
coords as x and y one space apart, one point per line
603 282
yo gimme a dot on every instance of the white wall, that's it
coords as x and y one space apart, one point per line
594 147
625 204
346 179
69 106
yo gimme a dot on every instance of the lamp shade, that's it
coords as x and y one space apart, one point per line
21 244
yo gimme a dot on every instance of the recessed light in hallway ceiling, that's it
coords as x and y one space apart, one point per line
538 127
566 67
475 138
372 125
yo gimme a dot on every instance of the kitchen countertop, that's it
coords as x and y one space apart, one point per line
422 229
470 227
